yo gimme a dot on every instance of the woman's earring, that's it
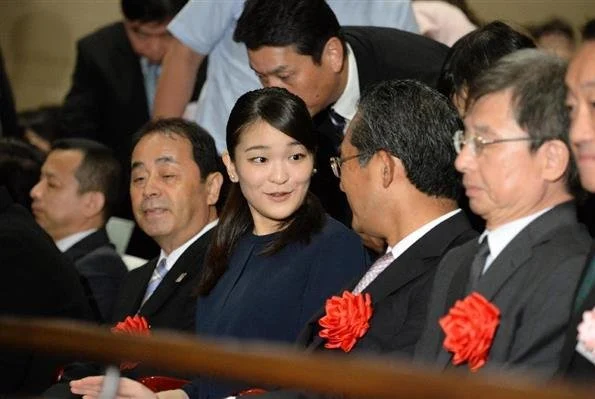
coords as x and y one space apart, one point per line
232 178
314 171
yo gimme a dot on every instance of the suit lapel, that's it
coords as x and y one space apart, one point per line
130 80
414 262
136 290
88 244
520 249
185 267
514 255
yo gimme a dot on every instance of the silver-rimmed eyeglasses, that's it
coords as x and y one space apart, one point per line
336 162
477 143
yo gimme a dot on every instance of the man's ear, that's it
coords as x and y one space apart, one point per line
231 169
213 184
93 203
390 167
556 159
333 54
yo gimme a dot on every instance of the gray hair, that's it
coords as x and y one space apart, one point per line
414 123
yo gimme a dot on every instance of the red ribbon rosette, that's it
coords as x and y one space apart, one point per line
346 320
470 326
136 325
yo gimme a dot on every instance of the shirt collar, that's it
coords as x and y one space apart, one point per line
346 105
172 258
500 237
66 243
413 237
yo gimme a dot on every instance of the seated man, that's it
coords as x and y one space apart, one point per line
72 201
397 196
175 172
168 149
578 356
300 46
502 302
113 86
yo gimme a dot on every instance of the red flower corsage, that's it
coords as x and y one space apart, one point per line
470 326
346 320
136 325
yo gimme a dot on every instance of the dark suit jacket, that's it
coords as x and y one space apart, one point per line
8 116
107 100
532 282
400 293
36 281
400 296
173 304
101 269
381 54
572 364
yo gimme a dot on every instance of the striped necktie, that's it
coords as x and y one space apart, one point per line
158 274
373 272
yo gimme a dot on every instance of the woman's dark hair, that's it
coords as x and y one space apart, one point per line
288 114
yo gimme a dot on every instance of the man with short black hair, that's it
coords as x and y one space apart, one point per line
116 73
175 187
72 202
113 86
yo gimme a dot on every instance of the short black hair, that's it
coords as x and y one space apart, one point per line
204 151
414 123
306 24
20 168
44 121
475 52
159 11
553 25
588 30
99 170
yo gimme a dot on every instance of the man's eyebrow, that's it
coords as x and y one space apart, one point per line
275 71
165 159
136 165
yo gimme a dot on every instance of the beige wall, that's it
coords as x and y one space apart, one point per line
38 41
38 36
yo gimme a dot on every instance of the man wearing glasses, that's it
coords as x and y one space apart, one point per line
398 197
525 267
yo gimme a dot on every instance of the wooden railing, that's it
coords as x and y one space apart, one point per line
273 365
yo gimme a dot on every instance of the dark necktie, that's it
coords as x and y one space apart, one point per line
338 123
587 283
478 264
